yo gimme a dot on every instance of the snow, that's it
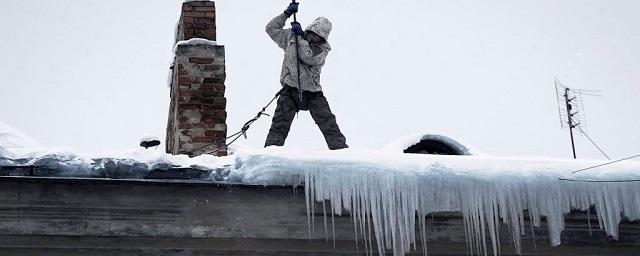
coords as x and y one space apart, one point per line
170 78
15 144
148 138
385 190
195 41
17 149
129 164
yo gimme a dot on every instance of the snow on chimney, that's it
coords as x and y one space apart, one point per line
197 115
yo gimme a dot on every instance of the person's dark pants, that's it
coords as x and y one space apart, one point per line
316 103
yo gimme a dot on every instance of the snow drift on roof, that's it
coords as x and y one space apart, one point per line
15 144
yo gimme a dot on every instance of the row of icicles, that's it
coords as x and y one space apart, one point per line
384 206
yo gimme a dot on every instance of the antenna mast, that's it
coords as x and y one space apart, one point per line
570 119
571 111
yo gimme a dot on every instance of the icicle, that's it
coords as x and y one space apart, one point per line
307 195
324 213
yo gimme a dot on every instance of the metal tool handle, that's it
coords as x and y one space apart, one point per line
295 19
294 15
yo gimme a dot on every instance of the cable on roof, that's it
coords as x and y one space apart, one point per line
600 181
593 142
243 132
608 163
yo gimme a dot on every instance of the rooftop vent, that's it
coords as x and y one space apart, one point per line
430 144
434 147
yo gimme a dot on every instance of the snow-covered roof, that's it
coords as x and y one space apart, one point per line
387 189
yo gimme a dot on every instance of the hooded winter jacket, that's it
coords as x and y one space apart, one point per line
312 57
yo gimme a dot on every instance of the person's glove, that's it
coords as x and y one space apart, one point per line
296 28
293 8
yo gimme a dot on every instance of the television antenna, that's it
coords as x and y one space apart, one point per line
572 114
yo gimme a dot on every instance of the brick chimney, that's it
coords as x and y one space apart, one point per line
197 114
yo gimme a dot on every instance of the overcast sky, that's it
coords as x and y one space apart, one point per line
92 74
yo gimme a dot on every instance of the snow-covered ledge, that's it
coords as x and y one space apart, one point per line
386 192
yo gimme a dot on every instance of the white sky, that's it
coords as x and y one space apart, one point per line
92 74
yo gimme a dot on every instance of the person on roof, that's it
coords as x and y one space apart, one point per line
313 48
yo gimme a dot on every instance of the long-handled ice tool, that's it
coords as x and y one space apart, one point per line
295 19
